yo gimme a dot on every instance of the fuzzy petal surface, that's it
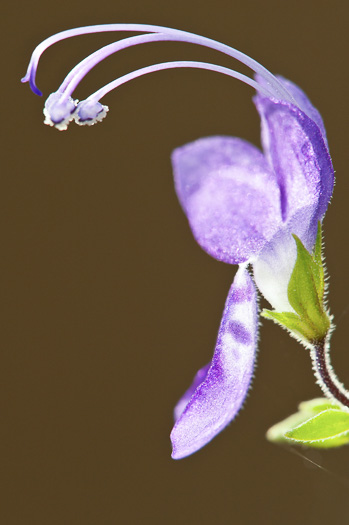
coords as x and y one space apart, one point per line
295 148
304 104
218 391
229 194
199 377
302 101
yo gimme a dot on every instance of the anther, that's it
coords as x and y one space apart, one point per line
59 110
89 112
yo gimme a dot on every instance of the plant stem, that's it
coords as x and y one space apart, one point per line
325 375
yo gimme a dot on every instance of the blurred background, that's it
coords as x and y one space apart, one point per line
109 305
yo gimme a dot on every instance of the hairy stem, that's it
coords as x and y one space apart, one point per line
325 375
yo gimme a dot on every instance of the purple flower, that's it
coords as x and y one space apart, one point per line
243 206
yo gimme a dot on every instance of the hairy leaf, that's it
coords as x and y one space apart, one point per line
326 429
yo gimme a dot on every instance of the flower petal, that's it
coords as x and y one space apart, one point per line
229 194
302 101
304 104
218 391
274 265
273 268
199 377
295 148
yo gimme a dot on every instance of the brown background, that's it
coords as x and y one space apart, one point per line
110 306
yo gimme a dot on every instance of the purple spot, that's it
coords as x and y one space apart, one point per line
242 295
239 332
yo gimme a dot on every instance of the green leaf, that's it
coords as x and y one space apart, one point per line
319 266
302 289
319 404
277 432
309 321
291 322
307 410
306 289
326 429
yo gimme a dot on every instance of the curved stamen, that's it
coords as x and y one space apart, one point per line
75 76
178 64
274 84
60 108
88 110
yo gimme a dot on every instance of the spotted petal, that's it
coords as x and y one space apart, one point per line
229 195
218 391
